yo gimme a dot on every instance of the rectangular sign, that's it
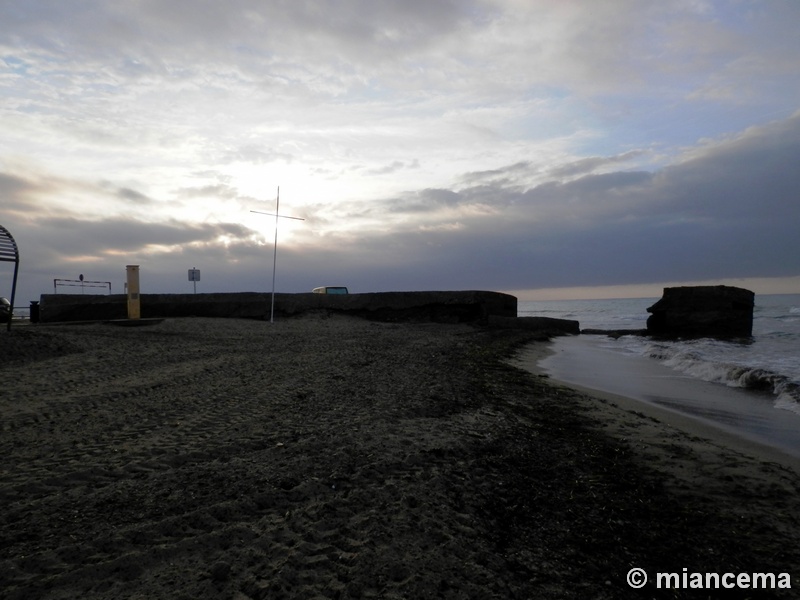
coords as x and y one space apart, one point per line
194 274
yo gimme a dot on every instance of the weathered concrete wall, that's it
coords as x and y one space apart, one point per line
545 325
461 306
703 311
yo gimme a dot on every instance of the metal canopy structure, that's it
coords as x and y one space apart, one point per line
10 253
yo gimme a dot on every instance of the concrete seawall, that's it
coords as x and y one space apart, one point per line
448 307
545 325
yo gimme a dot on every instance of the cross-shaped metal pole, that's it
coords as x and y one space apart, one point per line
277 216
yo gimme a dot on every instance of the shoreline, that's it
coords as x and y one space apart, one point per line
530 357
336 457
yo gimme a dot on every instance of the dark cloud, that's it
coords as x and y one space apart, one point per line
591 164
504 174
729 210
118 236
11 185
753 176
349 90
424 201
15 191
134 196
485 47
142 40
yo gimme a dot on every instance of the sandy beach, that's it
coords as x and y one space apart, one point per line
333 457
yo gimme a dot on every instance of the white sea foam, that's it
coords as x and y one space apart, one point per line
695 364
789 400
769 362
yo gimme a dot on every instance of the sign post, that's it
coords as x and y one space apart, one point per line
194 277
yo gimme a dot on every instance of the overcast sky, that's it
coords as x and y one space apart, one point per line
512 145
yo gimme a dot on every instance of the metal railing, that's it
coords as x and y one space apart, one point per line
81 283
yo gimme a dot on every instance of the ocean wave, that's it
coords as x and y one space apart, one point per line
785 391
789 401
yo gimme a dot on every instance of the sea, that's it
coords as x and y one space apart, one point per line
761 374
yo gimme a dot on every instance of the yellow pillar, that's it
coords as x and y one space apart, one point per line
134 311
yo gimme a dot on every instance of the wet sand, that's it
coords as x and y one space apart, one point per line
337 458
585 362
